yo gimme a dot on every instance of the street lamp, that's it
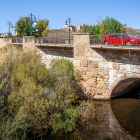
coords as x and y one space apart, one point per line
33 20
66 25
10 25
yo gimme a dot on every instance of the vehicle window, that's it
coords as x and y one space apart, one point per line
111 35
119 35
115 35
126 35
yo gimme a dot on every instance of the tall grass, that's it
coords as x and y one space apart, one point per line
35 99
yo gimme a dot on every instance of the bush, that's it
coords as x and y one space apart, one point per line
35 99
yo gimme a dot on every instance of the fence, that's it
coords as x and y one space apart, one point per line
116 39
17 40
54 40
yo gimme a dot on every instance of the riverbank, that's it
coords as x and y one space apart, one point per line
35 99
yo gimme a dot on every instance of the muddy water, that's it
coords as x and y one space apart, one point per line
116 120
127 112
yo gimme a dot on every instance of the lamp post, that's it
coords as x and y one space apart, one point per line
38 30
10 25
66 25
33 20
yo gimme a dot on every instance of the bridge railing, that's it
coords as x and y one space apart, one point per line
54 40
17 40
116 39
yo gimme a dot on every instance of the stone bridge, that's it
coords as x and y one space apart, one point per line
106 72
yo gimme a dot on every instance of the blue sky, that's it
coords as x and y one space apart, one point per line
57 11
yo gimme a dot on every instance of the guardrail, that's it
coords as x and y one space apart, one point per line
17 40
119 39
54 40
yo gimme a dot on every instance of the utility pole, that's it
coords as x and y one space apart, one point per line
10 24
66 25
31 24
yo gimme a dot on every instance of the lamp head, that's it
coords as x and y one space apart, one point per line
66 24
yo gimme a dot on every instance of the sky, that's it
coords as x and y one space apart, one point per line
57 11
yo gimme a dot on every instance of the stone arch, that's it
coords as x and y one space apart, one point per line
123 85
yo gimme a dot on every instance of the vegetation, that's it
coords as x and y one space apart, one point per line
106 26
23 27
34 99
42 27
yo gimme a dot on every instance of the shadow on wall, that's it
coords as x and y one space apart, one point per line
124 57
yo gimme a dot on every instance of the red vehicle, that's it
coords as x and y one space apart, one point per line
119 39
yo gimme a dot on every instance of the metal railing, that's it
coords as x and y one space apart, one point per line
54 40
17 40
116 39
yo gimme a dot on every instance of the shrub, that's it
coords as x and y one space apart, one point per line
34 98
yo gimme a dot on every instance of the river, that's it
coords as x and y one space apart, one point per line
118 119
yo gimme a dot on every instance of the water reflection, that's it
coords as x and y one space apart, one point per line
106 128
126 111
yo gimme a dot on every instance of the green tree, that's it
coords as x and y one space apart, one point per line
106 26
23 26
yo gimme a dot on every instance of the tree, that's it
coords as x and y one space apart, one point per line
42 27
44 33
23 26
106 26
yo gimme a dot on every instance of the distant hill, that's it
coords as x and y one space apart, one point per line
65 32
131 30
59 32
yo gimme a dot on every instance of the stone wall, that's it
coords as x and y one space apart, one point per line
5 41
103 69
48 52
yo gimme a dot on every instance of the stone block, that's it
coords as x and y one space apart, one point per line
89 58
92 63
105 71
88 54
103 64
90 74
77 63
137 71
130 68
100 79
93 70
123 67
99 59
80 58
112 73
83 63
81 69
79 50
122 71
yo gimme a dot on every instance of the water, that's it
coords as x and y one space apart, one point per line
116 120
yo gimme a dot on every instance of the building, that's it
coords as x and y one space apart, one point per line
5 34
76 27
